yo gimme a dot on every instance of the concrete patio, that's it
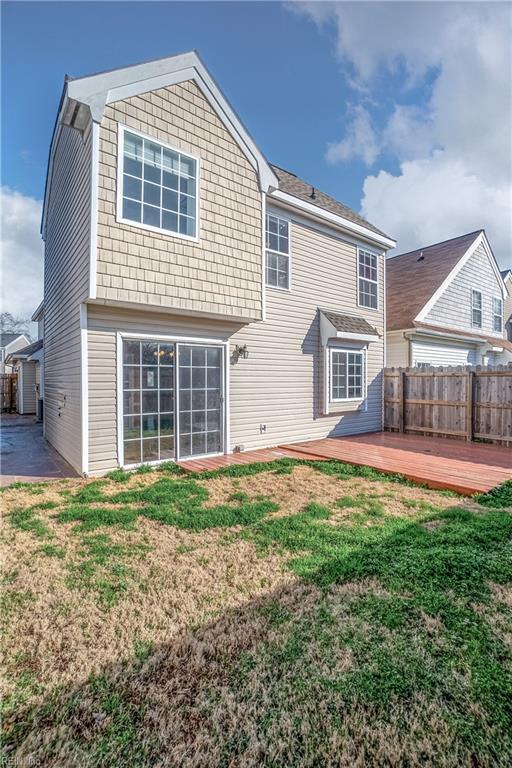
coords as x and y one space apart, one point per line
25 455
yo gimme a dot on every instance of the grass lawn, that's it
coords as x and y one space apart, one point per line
292 614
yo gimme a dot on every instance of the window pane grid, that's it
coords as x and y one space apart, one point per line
367 279
148 401
347 376
498 315
476 308
277 252
200 401
159 186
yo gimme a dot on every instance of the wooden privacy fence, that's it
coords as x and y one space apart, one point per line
8 386
465 403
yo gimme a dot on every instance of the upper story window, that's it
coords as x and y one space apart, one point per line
476 308
497 312
367 279
158 186
277 252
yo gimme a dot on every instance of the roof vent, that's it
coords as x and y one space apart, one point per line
313 193
420 257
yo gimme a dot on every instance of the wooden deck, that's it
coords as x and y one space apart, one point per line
437 462
247 457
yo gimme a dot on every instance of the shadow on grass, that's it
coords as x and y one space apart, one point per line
386 650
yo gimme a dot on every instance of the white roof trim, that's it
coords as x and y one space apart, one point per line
447 335
37 312
328 331
98 90
480 239
333 218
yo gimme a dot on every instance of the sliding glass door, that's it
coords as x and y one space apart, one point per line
172 401
200 400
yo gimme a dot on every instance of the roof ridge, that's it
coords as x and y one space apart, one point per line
434 245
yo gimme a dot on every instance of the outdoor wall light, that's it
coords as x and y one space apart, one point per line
242 352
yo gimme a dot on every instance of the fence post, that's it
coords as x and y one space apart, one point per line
469 406
401 404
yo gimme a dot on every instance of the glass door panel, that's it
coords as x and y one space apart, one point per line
148 401
200 400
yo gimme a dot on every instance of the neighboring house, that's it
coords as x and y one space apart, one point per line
507 279
445 305
197 299
27 362
10 341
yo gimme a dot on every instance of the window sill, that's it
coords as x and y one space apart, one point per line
351 406
157 230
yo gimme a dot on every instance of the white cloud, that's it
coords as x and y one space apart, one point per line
359 140
435 199
22 253
455 149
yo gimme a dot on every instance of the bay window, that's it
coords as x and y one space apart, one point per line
347 374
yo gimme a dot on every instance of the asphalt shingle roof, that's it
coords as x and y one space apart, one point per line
350 323
293 185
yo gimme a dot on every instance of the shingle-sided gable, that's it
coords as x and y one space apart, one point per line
453 307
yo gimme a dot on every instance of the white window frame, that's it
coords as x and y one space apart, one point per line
360 277
476 309
176 340
496 314
347 350
279 216
121 130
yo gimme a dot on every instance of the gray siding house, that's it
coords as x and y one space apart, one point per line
445 305
197 300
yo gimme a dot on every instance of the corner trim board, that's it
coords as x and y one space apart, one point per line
84 390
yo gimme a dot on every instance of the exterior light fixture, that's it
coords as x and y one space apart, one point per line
242 352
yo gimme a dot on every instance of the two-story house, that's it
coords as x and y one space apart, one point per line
445 305
197 300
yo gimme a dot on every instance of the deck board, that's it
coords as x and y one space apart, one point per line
436 462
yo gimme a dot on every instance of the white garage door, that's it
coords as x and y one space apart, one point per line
441 353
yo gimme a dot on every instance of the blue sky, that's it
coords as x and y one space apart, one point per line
402 110
267 60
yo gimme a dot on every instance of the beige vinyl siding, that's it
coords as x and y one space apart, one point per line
280 384
453 308
26 383
103 325
66 285
220 274
397 350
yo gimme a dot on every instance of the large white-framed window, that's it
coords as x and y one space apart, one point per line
497 314
476 308
347 375
158 186
367 279
277 254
